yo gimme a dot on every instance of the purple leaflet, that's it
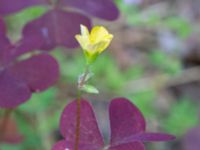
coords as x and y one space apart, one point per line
127 128
104 9
125 120
192 139
39 72
90 136
128 124
55 28
18 79
7 6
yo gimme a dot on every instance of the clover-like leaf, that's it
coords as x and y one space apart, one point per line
128 124
127 128
125 120
58 26
55 28
19 78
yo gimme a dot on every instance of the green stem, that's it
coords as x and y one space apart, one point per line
78 112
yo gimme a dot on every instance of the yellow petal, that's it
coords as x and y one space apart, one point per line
108 37
84 30
83 41
101 46
97 34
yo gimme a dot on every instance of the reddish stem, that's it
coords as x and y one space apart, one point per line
78 117
78 112
4 123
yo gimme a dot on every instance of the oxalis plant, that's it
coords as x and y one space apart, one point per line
78 124
21 76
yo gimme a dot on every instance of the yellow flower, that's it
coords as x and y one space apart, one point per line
95 42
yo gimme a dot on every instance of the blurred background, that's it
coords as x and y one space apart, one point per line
154 60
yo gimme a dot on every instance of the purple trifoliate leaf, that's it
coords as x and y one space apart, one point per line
127 128
55 28
128 124
13 91
192 139
19 78
39 72
105 9
125 120
90 137
9 6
